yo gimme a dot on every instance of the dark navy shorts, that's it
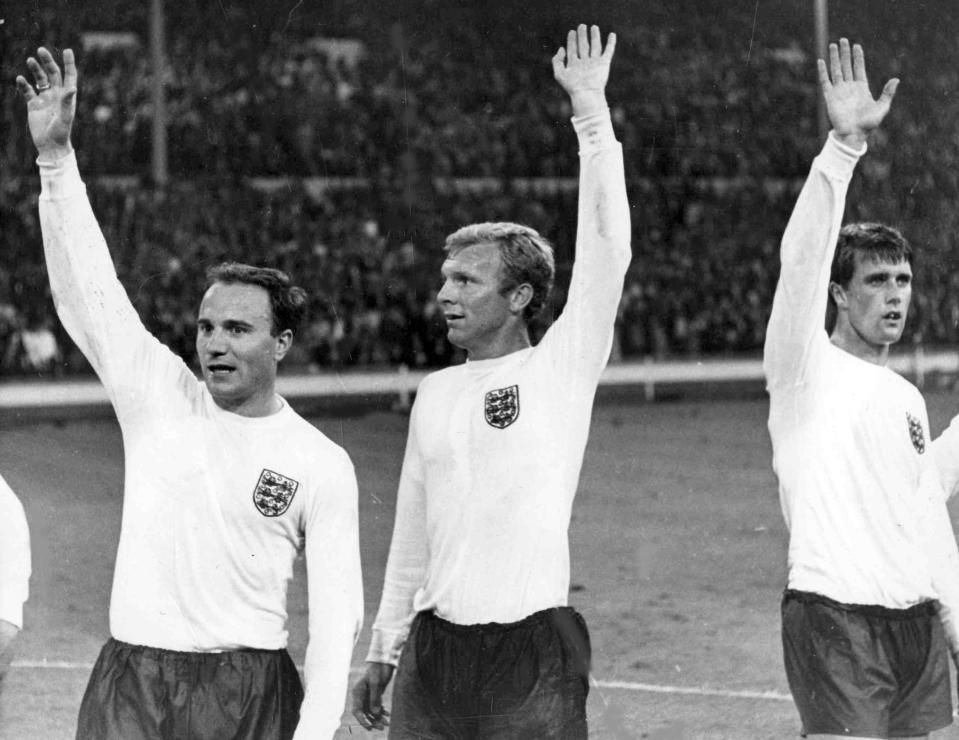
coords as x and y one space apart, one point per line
527 679
145 693
866 670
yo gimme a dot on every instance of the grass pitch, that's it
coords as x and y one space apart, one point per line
678 562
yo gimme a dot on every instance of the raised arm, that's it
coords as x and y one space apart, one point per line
90 301
582 337
799 306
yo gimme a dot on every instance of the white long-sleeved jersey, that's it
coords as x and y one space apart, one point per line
216 505
14 556
495 447
858 487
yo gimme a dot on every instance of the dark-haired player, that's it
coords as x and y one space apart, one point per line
225 485
873 567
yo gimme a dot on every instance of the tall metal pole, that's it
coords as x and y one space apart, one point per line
159 162
822 52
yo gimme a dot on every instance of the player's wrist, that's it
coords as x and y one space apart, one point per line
587 102
594 131
852 139
53 154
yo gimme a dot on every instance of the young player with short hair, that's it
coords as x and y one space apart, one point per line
873 565
224 486
474 608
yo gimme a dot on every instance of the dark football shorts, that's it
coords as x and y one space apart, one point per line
145 693
865 670
527 679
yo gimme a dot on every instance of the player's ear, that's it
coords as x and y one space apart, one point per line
519 297
284 340
838 294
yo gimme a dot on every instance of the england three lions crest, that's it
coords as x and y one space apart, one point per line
502 406
273 493
916 433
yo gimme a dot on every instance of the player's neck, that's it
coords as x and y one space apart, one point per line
854 344
502 344
261 404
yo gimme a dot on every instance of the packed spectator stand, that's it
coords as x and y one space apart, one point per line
347 163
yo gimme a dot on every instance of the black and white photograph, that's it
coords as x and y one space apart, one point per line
479 370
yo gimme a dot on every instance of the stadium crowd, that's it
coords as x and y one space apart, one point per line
348 172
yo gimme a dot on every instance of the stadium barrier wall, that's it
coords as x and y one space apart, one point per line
23 400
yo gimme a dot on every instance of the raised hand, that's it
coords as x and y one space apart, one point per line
52 107
852 110
582 68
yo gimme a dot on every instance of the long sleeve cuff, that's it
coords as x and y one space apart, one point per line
60 178
385 646
316 719
595 132
838 160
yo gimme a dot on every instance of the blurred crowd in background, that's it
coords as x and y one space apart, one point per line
347 163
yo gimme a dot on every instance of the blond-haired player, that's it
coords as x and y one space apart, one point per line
474 608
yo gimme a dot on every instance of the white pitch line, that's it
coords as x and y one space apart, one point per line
64 665
693 690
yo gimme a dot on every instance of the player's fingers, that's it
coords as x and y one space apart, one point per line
845 59
39 76
558 61
366 722
570 46
823 75
582 41
25 88
889 91
49 66
858 63
595 42
69 69
382 720
67 102
360 708
610 46
834 69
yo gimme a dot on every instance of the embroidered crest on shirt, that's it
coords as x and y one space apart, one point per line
916 433
502 406
273 493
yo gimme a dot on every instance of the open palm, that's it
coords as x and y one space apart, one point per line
52 107
851 107
583 66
